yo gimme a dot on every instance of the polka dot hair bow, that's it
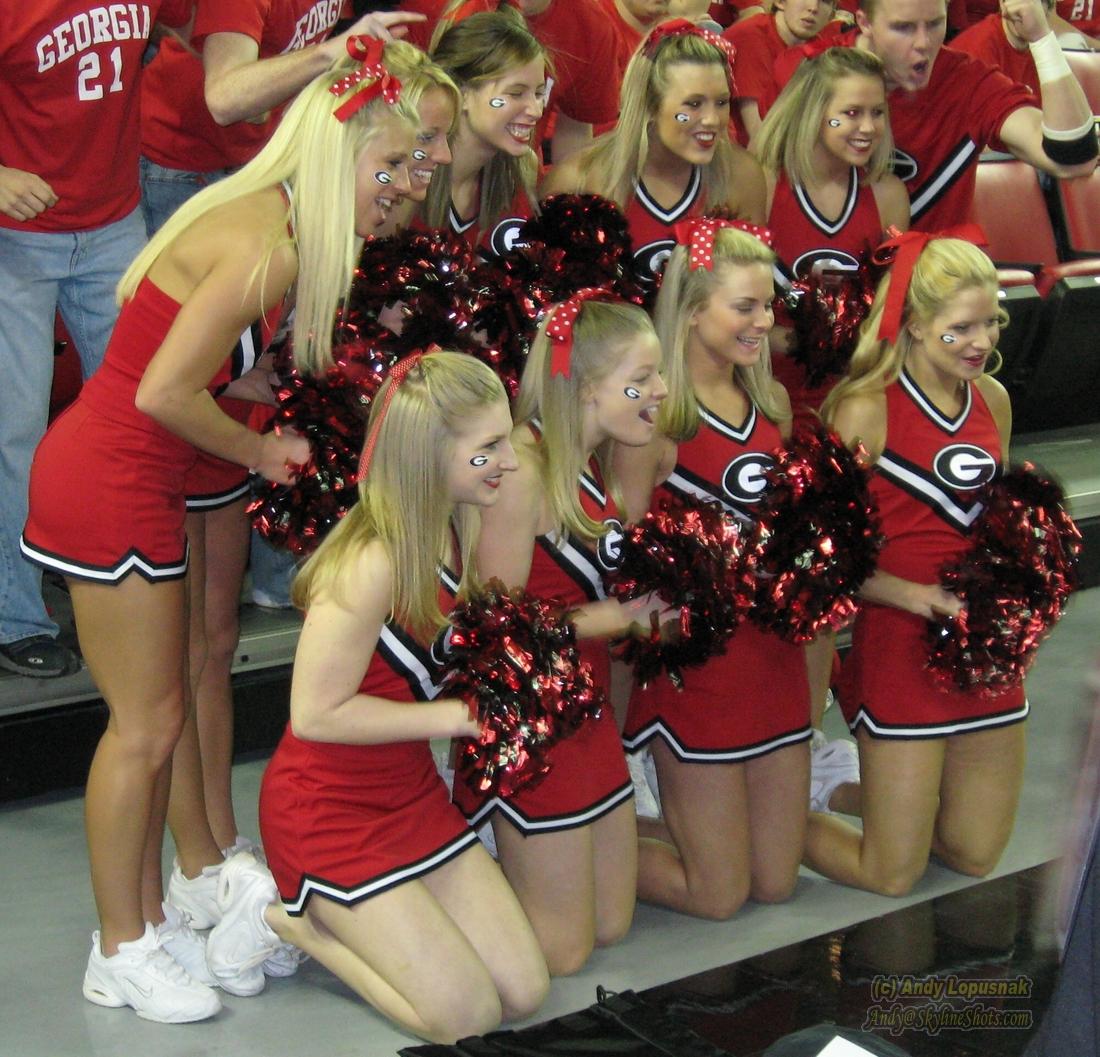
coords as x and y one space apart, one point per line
902 252
698 236
398 373
368 51
560 328
679 27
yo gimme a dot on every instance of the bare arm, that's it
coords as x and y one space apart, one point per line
335 648
563 178
1001 408
1064 106
213 313
892 200
639 471
750 115
240 86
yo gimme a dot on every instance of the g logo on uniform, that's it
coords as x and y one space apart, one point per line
609 551
964 466
904 166
651 259
745 479
505 236
824 260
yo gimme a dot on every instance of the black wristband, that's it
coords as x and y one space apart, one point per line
1072 151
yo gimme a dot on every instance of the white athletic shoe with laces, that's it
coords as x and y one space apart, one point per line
832 763
144 976
196 896
243 941
184 944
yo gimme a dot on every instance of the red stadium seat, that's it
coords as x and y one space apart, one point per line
1010 206
1080 201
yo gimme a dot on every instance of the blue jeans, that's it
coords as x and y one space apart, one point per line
164 190
42 273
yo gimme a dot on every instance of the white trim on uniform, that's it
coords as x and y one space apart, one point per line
657 728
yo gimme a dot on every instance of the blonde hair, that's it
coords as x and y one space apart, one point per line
403 500
420 74
685 291
945 268
315 155
484 47
602 333
614 164
791 131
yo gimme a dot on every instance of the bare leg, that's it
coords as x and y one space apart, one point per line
227 533
132 637
195 844
577 887
408 955
778 790
901 788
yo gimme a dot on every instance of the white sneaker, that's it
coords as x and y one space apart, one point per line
186 946
646 805
196 896
244 844
832 763
243 940
144 976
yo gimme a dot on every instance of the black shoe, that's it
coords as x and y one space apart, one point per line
38 656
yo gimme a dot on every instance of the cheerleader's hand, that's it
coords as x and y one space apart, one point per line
465 726
638 614
931 602
282 456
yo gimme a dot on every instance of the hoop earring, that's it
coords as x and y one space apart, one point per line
991 367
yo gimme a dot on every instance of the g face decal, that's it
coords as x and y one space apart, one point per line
497 103
419 155
479 460
964 466
383 178
745 480
631 393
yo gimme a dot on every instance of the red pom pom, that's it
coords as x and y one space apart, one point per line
816 537
826 310
689 552
1014 581
513 659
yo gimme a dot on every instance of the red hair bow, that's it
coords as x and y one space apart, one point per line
679 27
698 236
368 50
398 373
560 328
902 252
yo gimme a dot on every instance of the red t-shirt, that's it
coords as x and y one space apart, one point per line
986 40
176 128
69 77
758 44
1084 15
941 130
628 37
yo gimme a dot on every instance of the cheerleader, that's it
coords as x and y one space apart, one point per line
826 151
380 878
941 769
669 158
108 483
569 845
489 188
730 748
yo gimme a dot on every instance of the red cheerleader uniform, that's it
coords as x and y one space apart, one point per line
348 822
107 481
754 698
924 484
498 238
588 776
651 227
806 241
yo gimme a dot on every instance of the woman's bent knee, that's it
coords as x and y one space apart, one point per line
523 998
479 1013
